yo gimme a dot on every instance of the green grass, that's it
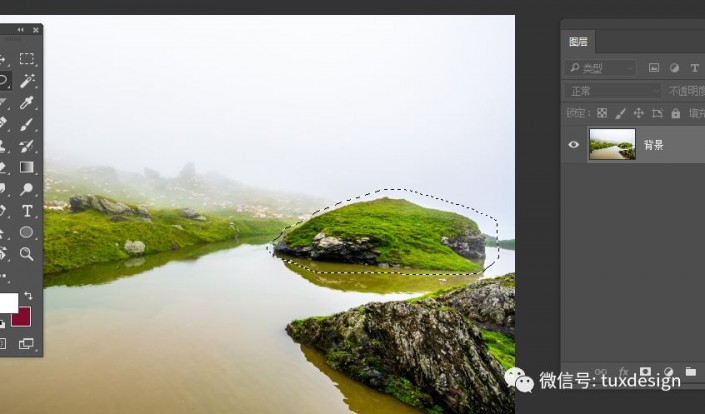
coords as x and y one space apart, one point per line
436 293
403 232
500 346
595 145
73 240
404 390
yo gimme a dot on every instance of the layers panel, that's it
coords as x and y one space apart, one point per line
632 160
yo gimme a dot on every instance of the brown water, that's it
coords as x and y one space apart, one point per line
610 153
196 334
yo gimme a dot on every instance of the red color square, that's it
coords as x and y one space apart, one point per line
23 318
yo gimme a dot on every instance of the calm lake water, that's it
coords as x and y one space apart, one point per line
201 330
610 153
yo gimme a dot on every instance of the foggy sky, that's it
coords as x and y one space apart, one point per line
328 106
614 135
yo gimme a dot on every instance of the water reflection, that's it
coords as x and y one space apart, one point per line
395 283
101 273
359 398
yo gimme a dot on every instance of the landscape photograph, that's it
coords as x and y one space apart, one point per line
612 144
278 214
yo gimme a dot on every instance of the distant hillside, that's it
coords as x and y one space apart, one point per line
209 192
509 244
98 229
389 233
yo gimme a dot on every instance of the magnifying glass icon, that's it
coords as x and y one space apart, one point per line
27 189
25 253
576 66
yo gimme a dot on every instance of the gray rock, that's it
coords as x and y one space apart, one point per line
143 212
190 213
470 244
103 205
135 248
490 303
328 243
333 249
177 226
100 204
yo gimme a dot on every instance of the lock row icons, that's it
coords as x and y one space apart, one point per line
641 113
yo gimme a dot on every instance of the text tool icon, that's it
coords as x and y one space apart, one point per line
27 208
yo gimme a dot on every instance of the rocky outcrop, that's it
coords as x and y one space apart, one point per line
103 205
470 244
190 213
333 249
489 303
426 353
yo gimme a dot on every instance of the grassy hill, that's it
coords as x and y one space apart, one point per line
73 240
401 231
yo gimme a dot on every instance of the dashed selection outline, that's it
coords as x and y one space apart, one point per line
386 272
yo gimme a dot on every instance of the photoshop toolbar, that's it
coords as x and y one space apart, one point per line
21 187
